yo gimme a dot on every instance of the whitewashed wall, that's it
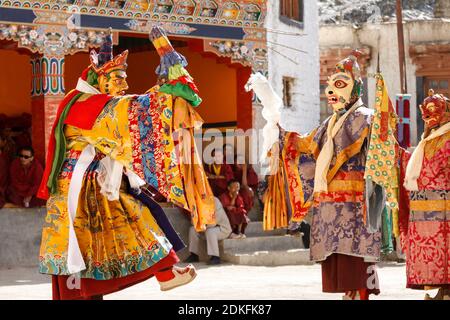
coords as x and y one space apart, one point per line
304 114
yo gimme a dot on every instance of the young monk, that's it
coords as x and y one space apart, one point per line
233 204
219 173
248 178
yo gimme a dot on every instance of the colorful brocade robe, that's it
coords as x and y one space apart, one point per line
428 238
117 238
338 216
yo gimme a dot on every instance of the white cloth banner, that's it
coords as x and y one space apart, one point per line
110 177
75 262
326 154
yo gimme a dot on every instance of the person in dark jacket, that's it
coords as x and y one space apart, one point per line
25 175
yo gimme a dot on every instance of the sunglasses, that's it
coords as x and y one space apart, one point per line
24 156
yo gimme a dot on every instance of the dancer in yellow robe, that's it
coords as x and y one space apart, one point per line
102 232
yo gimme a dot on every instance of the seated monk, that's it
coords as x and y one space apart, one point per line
234 207
25 175
219 173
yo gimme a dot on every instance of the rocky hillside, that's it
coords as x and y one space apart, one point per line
360 12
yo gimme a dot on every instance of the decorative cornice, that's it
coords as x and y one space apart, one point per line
252 34
247 53
170 27
51 40
239 13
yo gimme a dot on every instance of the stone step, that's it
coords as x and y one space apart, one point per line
270 258
255 229
20 236
251 244
256 213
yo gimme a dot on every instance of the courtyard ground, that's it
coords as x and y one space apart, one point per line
221 283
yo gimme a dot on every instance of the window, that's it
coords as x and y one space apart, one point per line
288 85
292 9
438 84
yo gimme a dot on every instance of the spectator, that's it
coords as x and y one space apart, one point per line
21 137
3 172
229 157
248 178
213 234
234 207
219 173
25 176
9 147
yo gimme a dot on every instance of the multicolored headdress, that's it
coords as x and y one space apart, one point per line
350 65
172 69
435 110
104 62
438 99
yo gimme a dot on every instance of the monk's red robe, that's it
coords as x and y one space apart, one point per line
237 213
252 177
252 182
219 183
24 182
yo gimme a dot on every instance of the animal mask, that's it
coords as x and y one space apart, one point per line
435 110
345 85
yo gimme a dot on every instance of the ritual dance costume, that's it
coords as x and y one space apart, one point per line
103 232
323 173
427 178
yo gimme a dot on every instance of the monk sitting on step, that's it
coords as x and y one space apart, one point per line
233 204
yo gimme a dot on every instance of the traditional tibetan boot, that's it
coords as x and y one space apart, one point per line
439 296
351 295
175 277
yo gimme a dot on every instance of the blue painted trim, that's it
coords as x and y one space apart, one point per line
16 15
203 31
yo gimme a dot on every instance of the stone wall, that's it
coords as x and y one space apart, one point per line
20 235
442 9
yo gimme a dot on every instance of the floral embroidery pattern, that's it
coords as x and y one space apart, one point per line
338 224
435 174
428 238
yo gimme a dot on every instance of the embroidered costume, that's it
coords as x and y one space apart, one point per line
323 172
427 179
105 147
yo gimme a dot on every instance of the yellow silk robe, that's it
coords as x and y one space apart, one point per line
120 237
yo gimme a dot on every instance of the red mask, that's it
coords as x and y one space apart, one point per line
435 111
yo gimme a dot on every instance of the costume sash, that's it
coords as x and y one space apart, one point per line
73 112
75 262
326 154
414 167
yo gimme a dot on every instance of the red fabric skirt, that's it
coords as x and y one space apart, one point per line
90 287
342 273
238 218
